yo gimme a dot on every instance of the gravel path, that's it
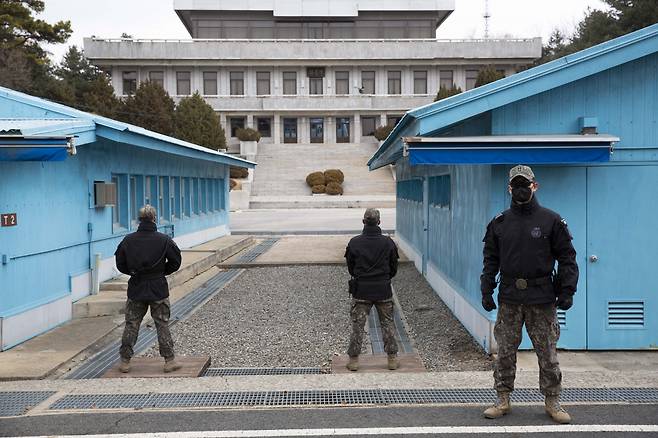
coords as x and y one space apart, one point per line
441 340
298 316
271 317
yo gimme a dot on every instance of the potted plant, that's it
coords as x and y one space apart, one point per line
248 140
381 132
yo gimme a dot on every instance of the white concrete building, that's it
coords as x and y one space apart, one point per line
309 71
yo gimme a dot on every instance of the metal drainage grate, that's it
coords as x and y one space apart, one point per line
18 403
223 372
342 397
376 338
253 253
97 365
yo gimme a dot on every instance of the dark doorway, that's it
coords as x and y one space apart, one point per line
290 130
342 130
317 130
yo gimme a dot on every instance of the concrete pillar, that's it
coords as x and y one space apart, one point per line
331 129
277 136
250 121
382 119
304 130
356 129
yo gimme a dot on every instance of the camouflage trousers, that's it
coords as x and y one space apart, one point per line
544 330
359 314
135 311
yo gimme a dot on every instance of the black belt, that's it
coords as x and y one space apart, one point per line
524 283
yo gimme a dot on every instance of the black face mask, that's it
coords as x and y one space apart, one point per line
521 195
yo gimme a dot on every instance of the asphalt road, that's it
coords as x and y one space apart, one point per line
363 419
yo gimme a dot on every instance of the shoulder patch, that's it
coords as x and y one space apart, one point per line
499 217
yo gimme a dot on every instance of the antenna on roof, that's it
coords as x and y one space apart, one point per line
487 17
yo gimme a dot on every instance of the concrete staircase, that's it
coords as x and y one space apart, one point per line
279 178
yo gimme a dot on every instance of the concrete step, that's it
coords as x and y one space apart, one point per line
112 298
282 169
322 201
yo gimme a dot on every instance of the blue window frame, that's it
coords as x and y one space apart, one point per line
411 190
174 198
120 212
203 195
185 197
440 191
136 199
194 195
163 199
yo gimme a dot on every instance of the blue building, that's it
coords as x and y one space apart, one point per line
588 125
71 185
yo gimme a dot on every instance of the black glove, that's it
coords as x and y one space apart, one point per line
488 302
564 302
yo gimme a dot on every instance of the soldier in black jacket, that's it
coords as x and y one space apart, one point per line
522 244
147 256
372 260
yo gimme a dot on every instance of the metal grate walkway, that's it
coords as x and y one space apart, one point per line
258 250
18 403
376 339
343 397
223 372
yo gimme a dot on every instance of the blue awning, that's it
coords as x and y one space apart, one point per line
539 149
35 149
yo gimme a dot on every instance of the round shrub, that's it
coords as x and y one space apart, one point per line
381 132
239 172
333 188
320 188
334 175
232 184
315 179
247 134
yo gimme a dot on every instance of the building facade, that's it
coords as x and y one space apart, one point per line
309 71
587 126
57 211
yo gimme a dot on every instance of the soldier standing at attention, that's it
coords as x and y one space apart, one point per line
372 260
522 244
147 256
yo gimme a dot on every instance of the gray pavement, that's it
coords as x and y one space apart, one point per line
403 419
305 221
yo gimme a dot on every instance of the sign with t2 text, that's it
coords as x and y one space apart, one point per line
8 220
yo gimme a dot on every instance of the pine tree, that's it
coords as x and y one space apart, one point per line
100 99
197 123
488 75
447 92
151 108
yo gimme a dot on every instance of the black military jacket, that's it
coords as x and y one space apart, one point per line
524 242
372 259
147 256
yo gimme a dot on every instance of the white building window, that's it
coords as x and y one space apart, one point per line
315 85
183 83
446 79
289 83
129 82
471 79
420 82
157 77
210 83
394 82
237 83
263 83
368 82
342 82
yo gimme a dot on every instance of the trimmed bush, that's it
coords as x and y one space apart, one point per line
320 188
247 134
447 92
333 188
239 172
381 132
334 175
487 75
315 179
232 184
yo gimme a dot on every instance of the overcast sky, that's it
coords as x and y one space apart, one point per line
157 19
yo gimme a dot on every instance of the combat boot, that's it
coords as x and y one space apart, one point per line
171 365
124 366
555 410
393 363
353 363
500 408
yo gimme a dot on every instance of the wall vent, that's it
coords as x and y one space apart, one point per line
562 317
626 314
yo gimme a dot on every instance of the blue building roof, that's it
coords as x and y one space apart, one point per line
40 117
429 119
